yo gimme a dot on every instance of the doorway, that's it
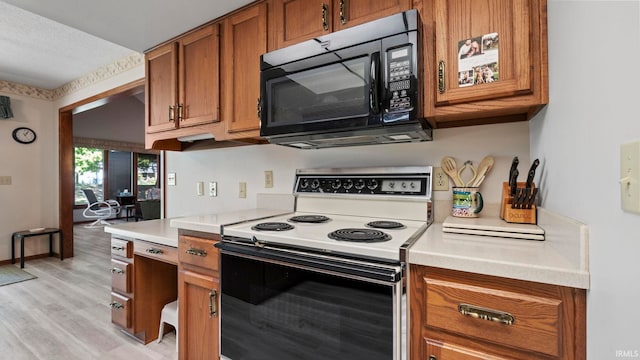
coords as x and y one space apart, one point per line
66 153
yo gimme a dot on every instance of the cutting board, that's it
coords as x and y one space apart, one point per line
489 226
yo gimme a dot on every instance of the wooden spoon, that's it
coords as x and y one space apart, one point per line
483 169
450 168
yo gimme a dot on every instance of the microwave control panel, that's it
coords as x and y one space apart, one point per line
399 68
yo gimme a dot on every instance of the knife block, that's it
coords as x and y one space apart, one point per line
518 216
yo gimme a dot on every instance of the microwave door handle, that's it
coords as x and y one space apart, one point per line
374 89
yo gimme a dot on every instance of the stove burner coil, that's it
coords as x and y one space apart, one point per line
272 226
385 224
359 235
309 218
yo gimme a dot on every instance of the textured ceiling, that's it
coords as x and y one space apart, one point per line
49 43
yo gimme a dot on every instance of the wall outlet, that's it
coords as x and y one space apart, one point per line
630 177
440 180
268 179
213 188
200 188
5 180
243 190
171 179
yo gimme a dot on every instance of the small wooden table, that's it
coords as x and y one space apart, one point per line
28 233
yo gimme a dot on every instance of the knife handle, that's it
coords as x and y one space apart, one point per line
513 182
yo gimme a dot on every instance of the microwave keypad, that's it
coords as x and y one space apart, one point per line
399 83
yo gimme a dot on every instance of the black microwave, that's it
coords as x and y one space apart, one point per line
356 86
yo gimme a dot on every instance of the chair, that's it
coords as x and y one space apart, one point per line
150 209
169 315
99 210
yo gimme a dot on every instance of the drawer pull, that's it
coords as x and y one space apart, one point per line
118 248
432 357
116 305
116 270
486 314
325 25
213 303
196 252
154 251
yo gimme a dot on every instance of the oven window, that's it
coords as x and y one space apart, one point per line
334 91
272 311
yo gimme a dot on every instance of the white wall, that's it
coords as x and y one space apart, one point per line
232 165
27 202
594 47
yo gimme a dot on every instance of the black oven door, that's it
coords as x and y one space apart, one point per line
282 305
337 90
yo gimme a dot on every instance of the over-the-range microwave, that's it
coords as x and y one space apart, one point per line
356 86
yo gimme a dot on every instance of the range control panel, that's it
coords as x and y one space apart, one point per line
360 184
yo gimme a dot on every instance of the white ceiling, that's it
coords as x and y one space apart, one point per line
49 43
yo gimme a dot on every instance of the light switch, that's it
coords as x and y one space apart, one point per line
200 188
630 177
268 179
213 188
243 190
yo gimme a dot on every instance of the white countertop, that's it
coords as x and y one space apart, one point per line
212 223
156 231
561 259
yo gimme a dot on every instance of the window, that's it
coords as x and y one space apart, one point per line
89 173
113 172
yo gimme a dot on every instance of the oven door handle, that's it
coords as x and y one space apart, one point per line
356 269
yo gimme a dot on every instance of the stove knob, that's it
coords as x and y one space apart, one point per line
404 185
413 185
315 184
372 184
304 183
360 184
392 184
336 184
348 184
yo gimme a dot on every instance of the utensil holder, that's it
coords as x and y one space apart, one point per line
511 215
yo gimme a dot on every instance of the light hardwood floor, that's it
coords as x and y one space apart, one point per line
65 314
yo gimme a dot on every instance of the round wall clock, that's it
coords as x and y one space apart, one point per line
24 135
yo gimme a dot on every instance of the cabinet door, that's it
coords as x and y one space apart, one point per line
245 39
348 13
507 52
300 20
199 301
199 77
161 87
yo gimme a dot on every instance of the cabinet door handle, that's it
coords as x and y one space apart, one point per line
118 248
486 314
342 17
259 108
116 305
442 86
172 113
196 252
180 112
117 270
154 251
213 303
432 357
325 25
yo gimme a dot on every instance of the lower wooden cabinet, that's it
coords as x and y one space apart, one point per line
458 315
198 298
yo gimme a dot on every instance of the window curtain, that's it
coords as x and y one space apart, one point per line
5 107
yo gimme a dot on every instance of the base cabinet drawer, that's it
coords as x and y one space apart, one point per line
121 247
436 350
522 321
121 276
198 252
121 310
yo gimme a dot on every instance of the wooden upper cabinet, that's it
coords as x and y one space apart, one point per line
161 88
245 39
300 20
182 87
507 74
199 77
